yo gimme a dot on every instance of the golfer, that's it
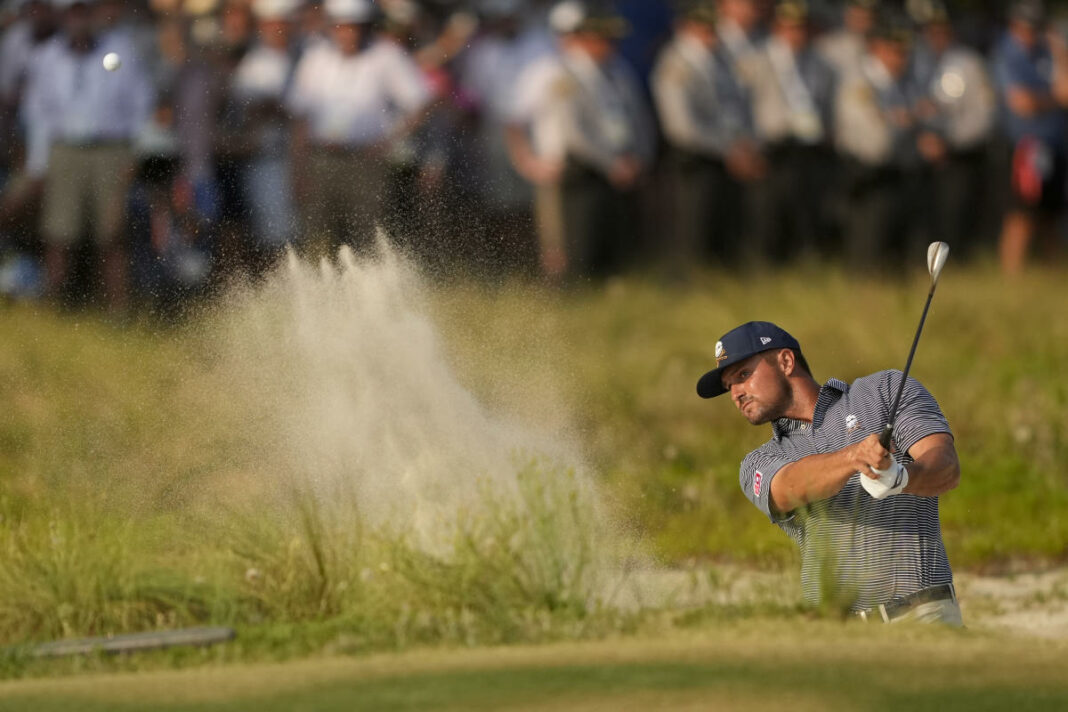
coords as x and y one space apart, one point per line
866 519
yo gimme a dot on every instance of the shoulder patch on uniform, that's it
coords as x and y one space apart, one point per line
562 87
864 94
676 72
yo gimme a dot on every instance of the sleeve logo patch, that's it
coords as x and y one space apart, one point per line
758 477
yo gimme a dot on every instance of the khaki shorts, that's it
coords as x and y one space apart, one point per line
85 188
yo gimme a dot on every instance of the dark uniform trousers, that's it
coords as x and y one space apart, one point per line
882 212
959 195
705 215
598 222
788 212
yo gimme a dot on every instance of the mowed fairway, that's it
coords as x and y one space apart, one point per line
796 665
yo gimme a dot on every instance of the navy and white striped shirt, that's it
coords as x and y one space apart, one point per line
865 550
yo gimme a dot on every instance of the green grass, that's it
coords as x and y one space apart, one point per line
756 665
132 482
626 360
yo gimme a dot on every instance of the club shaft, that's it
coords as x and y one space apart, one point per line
884 438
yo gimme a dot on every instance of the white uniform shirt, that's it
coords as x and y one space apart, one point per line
964 95
843 50
71 97
360 99
575 108
263 74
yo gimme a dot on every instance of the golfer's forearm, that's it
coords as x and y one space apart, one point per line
810 479
934 473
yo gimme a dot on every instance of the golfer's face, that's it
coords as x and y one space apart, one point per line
757 388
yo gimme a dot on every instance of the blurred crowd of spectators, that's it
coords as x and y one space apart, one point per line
577 138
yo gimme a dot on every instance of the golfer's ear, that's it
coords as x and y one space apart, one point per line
787 362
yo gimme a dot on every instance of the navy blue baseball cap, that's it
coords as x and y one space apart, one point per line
738 344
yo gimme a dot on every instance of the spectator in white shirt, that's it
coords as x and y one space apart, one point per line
81 121
354 98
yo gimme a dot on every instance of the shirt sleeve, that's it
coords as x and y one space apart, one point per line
529 94
758 470
407 86
918 414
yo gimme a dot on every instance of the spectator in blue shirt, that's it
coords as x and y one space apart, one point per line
1032 84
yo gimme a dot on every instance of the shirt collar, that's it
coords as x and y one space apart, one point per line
831 391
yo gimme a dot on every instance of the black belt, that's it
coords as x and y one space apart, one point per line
900 606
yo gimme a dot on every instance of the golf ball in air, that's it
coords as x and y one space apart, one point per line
111 61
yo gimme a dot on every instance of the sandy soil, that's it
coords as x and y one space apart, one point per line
1030 604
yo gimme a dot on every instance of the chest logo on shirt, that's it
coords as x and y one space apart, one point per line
852 423
757 478
721 353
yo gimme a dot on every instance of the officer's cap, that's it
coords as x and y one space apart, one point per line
274 9
891 26
572 16
1030 12
792 11
703 11
356 12
930 12
737 345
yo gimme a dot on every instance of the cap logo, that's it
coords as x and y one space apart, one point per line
765 340
721 353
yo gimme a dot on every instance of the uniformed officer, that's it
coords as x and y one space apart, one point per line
704 114
259 86
81 121
878 134
792 89
354 99
844 47
581 133
865 518
739 28
958 106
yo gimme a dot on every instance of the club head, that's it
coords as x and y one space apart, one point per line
937 253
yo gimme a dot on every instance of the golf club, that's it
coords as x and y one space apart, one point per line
937 253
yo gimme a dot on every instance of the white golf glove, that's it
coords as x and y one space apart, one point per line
890 482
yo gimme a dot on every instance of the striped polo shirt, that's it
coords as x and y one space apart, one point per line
866 550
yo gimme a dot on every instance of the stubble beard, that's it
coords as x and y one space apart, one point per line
761 413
